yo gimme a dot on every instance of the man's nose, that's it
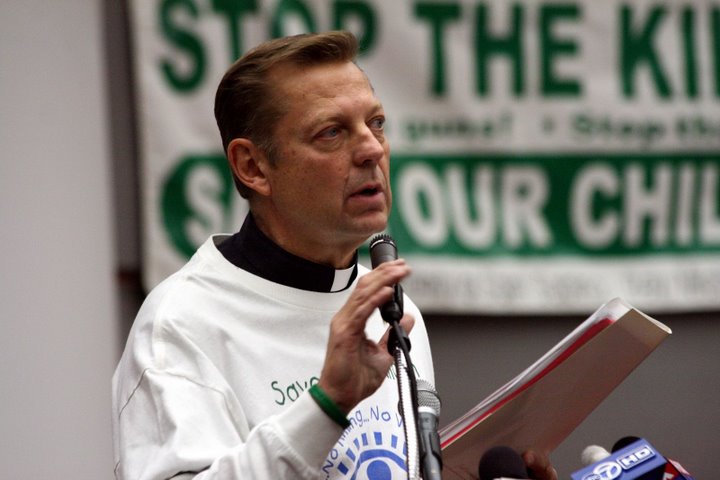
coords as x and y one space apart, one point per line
370 147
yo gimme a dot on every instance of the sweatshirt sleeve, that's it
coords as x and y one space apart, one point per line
172 426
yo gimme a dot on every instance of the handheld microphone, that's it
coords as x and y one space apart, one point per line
428 414
502 463
383 249
633 458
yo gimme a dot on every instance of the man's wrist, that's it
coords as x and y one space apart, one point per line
328 406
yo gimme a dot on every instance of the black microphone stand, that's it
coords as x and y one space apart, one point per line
383 249
399 347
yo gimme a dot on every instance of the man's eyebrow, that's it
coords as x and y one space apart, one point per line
337 116
378 106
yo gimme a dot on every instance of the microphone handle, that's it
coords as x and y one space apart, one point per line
431 459
392 310
383 249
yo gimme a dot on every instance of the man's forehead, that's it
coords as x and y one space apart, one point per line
315 78
323 92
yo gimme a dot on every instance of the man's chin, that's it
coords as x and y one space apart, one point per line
370 228
378 225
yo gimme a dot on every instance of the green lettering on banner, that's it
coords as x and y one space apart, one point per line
553 47
638 47
715 46
344 11
184 40
196 201
689 42
234 11
640 31
291 8
438 16
510 46
561 204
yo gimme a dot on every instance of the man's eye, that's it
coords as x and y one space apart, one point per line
331 132
377 123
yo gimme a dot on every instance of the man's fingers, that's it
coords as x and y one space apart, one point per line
539 466
407 322
354 365
374 289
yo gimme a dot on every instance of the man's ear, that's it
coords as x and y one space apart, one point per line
249 165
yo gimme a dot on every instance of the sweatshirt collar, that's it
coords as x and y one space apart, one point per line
251 250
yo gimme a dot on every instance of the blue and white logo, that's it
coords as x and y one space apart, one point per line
370 456
372 448
623 461
604 471
635 457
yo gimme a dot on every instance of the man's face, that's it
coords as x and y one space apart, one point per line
330 185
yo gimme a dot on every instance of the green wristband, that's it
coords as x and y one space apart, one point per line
327 405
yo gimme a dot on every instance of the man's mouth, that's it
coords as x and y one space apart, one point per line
369 189
368 192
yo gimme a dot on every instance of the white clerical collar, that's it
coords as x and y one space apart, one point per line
343 278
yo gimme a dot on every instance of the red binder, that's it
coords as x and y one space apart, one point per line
540 407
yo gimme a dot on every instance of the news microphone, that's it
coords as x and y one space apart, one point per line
633 460
383 249
623 442
593 454
502 462
673 469
428 414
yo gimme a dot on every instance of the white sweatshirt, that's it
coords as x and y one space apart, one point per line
213 380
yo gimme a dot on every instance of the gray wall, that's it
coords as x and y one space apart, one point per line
59 338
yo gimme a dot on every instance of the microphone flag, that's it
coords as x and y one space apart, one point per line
636 461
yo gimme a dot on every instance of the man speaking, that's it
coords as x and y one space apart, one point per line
265 356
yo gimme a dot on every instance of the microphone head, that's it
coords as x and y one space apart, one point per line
382 249
428 396
500 462
593 454
624 442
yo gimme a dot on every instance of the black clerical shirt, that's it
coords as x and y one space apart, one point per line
251 250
